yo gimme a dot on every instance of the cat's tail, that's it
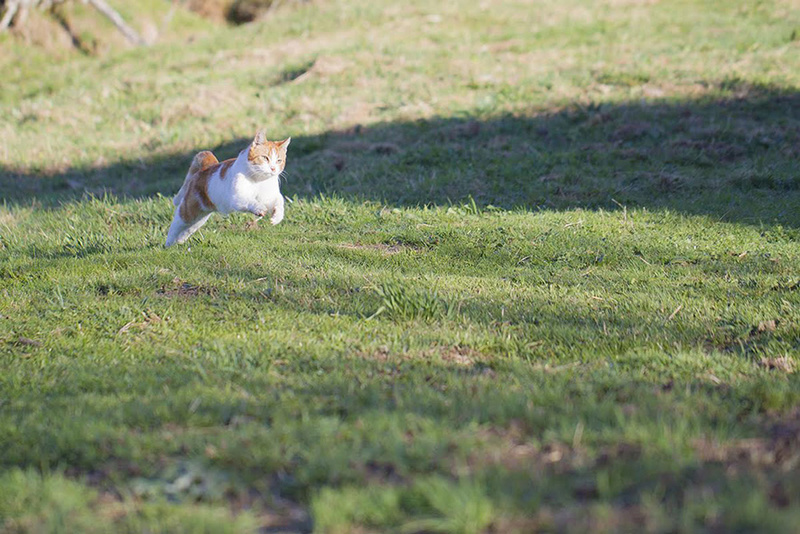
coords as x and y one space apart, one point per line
202 160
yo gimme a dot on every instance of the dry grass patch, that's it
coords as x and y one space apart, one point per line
182 289
778 448
8 219
461 356
781 363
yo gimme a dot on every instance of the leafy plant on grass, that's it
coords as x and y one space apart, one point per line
435 503
453 508
340 510
401 302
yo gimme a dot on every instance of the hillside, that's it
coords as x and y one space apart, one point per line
539 271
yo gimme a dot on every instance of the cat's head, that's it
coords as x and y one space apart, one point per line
268 157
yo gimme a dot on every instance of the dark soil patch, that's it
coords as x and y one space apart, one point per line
185 290
779 447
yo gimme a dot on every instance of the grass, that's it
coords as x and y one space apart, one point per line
540 272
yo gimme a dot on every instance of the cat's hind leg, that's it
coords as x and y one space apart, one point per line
177 228
195 226
180 230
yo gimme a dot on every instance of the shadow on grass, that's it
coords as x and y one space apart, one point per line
732 158
386 422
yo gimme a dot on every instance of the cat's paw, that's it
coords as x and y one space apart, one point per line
276 217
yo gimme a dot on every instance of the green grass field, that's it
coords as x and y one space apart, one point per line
541 272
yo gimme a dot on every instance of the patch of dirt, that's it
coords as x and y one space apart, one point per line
385 148
285 516
577 518
511 448
321 68
746 344
42 31
26 342
183 289
381 355
380 472
503 46
779 448
329 65
356 114
215 10
631 131
716 150
274 513
667 182
516 449
149 318
466 130
462 356
103 476
781 363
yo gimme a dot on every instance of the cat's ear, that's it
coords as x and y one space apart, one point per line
285 143
260 138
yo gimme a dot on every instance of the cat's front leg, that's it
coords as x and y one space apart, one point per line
277 211
259 210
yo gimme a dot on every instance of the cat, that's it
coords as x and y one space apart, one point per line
249 183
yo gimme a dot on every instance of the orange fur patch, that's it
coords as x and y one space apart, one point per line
202 160
224 166
209 159
260 152
196 201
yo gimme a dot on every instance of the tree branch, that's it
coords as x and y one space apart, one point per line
12 6
109 12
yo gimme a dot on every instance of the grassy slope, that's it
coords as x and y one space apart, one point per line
540 272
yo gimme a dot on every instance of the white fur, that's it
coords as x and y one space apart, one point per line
246 187
180 230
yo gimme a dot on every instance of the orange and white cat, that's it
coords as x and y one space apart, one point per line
249 183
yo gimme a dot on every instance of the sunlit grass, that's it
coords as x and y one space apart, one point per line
539 272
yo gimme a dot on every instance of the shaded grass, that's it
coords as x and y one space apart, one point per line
683 156
533 285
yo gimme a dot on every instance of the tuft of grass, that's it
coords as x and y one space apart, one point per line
435 504
461 508
403 302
